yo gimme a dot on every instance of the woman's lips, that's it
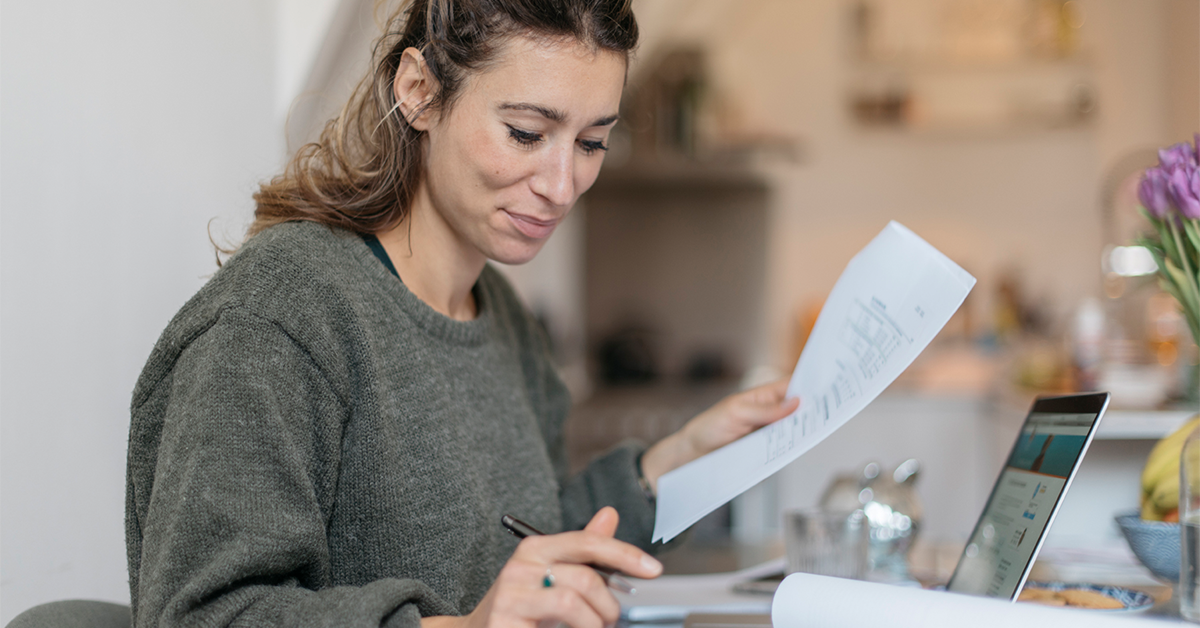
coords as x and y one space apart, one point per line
531 227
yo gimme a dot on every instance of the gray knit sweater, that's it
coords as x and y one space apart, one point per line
313 445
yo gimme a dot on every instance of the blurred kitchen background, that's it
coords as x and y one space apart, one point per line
763 143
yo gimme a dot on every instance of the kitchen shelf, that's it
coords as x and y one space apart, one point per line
660 176
1141 424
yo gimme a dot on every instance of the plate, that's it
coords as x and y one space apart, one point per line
1134 601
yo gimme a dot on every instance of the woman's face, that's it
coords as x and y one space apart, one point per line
522 142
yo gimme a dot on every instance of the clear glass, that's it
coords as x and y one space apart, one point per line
1189 517
827 542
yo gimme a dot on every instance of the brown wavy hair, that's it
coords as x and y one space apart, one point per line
363 171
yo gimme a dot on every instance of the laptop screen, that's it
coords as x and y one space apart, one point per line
1001 550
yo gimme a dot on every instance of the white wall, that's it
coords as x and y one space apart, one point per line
992 200
303 25
127 126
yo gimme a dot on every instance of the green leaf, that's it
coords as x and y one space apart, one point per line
1169 287
1186 291
1192 318
1191 228
1168 242
1191 287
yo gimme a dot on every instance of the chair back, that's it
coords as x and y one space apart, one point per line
74 614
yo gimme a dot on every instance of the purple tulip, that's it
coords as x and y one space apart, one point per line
1196 143
1183 184
1178 155
1153 192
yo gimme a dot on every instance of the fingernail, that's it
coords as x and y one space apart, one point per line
651 565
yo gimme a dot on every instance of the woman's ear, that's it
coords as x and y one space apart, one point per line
414 89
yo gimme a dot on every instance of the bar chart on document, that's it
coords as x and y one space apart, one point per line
893 298
873 339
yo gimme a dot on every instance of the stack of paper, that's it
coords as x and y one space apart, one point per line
808 600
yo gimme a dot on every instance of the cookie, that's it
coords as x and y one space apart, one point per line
1089 599
1035 595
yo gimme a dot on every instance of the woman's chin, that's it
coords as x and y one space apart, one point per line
515 254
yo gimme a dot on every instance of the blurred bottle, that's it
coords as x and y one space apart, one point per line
1189 517
1088 343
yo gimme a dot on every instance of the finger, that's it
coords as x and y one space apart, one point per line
752 417
591 587
604 522
760 412
567 606
546 606
778 388
585 581
587 547
772 393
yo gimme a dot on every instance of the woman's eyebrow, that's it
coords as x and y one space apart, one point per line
605 121
551 114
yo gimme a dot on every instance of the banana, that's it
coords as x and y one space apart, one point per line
1166 493
1164 458
1166 466
1149 512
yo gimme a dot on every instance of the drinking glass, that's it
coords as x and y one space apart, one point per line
1189 518
827 542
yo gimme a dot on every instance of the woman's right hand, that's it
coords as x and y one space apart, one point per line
578 598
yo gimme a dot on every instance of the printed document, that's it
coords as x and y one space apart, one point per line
889 303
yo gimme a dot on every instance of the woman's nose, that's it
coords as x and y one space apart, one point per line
555 179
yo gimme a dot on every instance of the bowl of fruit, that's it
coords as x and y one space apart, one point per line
1153 533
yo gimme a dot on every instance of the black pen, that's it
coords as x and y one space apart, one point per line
520 529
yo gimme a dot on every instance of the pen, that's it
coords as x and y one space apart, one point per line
520 529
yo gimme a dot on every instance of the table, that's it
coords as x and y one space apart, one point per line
720 607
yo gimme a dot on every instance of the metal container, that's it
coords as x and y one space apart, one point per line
892 509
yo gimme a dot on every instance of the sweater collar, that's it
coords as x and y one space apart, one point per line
434 323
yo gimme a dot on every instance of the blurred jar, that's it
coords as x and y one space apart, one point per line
827 542
1189 518
892 510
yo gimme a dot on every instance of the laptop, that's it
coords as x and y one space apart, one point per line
1027 495
1008 535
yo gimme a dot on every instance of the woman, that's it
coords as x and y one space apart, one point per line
330 430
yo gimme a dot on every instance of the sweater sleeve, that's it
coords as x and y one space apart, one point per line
233 466
609 480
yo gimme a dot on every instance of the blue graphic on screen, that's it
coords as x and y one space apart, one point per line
1051 454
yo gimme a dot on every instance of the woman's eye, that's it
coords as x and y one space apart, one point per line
591 146
524 138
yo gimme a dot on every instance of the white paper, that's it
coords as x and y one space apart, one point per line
892 299
668 600
804 600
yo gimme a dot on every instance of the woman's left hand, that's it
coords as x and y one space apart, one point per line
730 419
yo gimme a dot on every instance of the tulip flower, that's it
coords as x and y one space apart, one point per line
1178 155
1152 191
1183 184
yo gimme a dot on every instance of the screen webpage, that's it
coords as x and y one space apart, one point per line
1016 516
